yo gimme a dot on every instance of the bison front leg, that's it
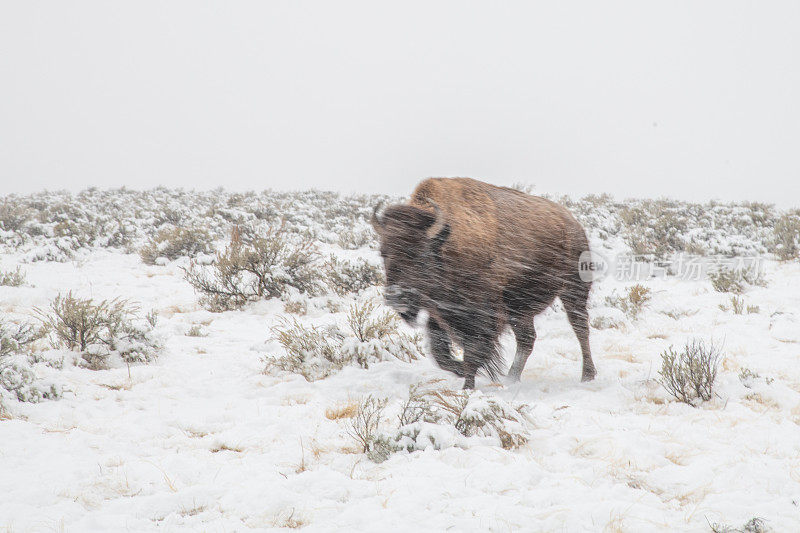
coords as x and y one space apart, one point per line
479 352
440 348
525 335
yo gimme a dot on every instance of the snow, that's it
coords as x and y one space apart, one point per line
203 439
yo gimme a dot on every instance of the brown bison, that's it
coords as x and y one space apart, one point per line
479 258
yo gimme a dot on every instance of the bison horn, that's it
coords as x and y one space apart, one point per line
377 223
439 224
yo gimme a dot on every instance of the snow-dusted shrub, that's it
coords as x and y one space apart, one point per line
78 323
736 280
317 352
521 186
439 418
172 214
418 407
296 306
357 237
312 352
344 277
474 414
376 335
633 302
13 215
132 337
662 227
17 375
52 225
196 331
689 375
727 280
787 236
754 525
363 428
119 233
655 227
749 378
12 278
15 339
81 233
100 330
265 267
173 243
59 250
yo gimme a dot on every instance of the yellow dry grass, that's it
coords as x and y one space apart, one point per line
226 448
338 412
759 403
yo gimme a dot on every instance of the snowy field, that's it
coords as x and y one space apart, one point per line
208 426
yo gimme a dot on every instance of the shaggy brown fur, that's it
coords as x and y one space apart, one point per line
497 257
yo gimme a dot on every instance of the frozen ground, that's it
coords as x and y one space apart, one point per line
204 440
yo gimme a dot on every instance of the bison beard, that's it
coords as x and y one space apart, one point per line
479 258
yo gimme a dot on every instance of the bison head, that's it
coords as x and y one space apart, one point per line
411 242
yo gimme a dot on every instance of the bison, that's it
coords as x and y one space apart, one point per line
479 258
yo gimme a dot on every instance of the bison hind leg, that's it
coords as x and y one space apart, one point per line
574 299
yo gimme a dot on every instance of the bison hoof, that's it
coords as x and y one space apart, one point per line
513 376
588 375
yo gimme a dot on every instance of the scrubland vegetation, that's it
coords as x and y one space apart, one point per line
246 333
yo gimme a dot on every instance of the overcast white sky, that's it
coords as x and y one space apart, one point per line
695 99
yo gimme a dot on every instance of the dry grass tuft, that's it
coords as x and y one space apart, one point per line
226 448
289 520
195 434
193 511
677 314
633 302
758 403
339 412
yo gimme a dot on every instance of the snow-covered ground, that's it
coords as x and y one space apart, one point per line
203 439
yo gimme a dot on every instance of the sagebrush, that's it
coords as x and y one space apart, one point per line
18 375
98 330
266 266
172 243
345 277
12 278
689 374
787 236
316 352
736 281
438 418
